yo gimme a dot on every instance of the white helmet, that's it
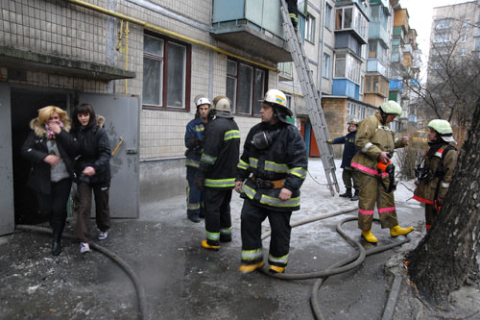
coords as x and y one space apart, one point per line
278 98
203 101
197 97
353 120
391 107
443 128
223 104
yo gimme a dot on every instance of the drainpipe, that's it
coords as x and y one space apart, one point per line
321 51
169 33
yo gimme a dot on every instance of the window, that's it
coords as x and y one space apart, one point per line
358 111
362 79
346 66
310 29
166 73
285 70
245 86
463 52
476 46
326 66
328 16
442 37
466 24
464 37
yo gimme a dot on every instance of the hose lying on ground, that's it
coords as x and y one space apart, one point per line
344 265
142 301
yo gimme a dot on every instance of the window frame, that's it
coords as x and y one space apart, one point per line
310 28
326 67
328 16
254 99
164 74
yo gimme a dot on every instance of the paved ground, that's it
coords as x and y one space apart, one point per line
183 281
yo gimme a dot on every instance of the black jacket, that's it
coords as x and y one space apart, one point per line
35 150
221 147
94 151
350 149
285 159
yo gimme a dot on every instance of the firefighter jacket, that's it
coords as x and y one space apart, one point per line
373 137
350 149
220 153
283 162
193 142
440 164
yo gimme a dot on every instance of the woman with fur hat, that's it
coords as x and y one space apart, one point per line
50 148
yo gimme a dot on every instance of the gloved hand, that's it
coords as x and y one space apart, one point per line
330 141
199 182
438 204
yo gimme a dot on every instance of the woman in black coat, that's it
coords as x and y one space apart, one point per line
92 168
50 148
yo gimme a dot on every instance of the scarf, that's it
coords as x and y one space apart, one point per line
51 134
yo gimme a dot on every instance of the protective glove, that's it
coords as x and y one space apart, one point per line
438 204
330 141
198 181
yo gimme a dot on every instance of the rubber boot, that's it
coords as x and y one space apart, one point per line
247 268
347 194
355 196
368 235
399 231
209 247
276 269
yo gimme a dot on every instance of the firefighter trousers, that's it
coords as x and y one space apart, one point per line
218 223
251 229
372 192
194 195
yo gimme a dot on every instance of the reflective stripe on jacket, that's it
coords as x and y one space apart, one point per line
372 138
286 158
194 135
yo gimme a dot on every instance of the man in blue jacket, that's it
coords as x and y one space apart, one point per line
193 142
349 174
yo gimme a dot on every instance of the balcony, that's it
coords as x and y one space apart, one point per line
376 84
407 48
395 85
253 25
377 31
352 20
374 65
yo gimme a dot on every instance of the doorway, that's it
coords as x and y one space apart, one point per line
25 103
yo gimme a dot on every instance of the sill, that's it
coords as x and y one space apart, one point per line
153 107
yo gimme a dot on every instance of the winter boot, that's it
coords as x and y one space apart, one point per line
194 218
209 247
247 268
399 231
368 235
355 196
57 237
347 194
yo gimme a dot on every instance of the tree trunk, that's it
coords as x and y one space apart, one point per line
444 258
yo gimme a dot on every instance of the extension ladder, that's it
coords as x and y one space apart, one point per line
312 98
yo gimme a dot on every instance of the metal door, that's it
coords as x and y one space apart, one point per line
7 215
122 124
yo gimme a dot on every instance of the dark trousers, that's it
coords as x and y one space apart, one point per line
218 223
252 218
430 216
194 195
102 209
53 206
350 174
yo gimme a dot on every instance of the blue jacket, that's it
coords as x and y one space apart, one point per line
193 141
350 148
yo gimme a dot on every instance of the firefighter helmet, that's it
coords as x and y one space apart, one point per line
203 101
391 107
443 128
353 120
223 104
198 97
277 98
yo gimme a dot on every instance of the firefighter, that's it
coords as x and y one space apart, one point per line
293 12
216 174
274 165
193 141
350 150
436 171
376 142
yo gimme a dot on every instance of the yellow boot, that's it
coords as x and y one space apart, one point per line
247 268
209 247
399 231
368 235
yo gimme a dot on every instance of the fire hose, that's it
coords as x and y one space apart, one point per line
142 300
342 266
